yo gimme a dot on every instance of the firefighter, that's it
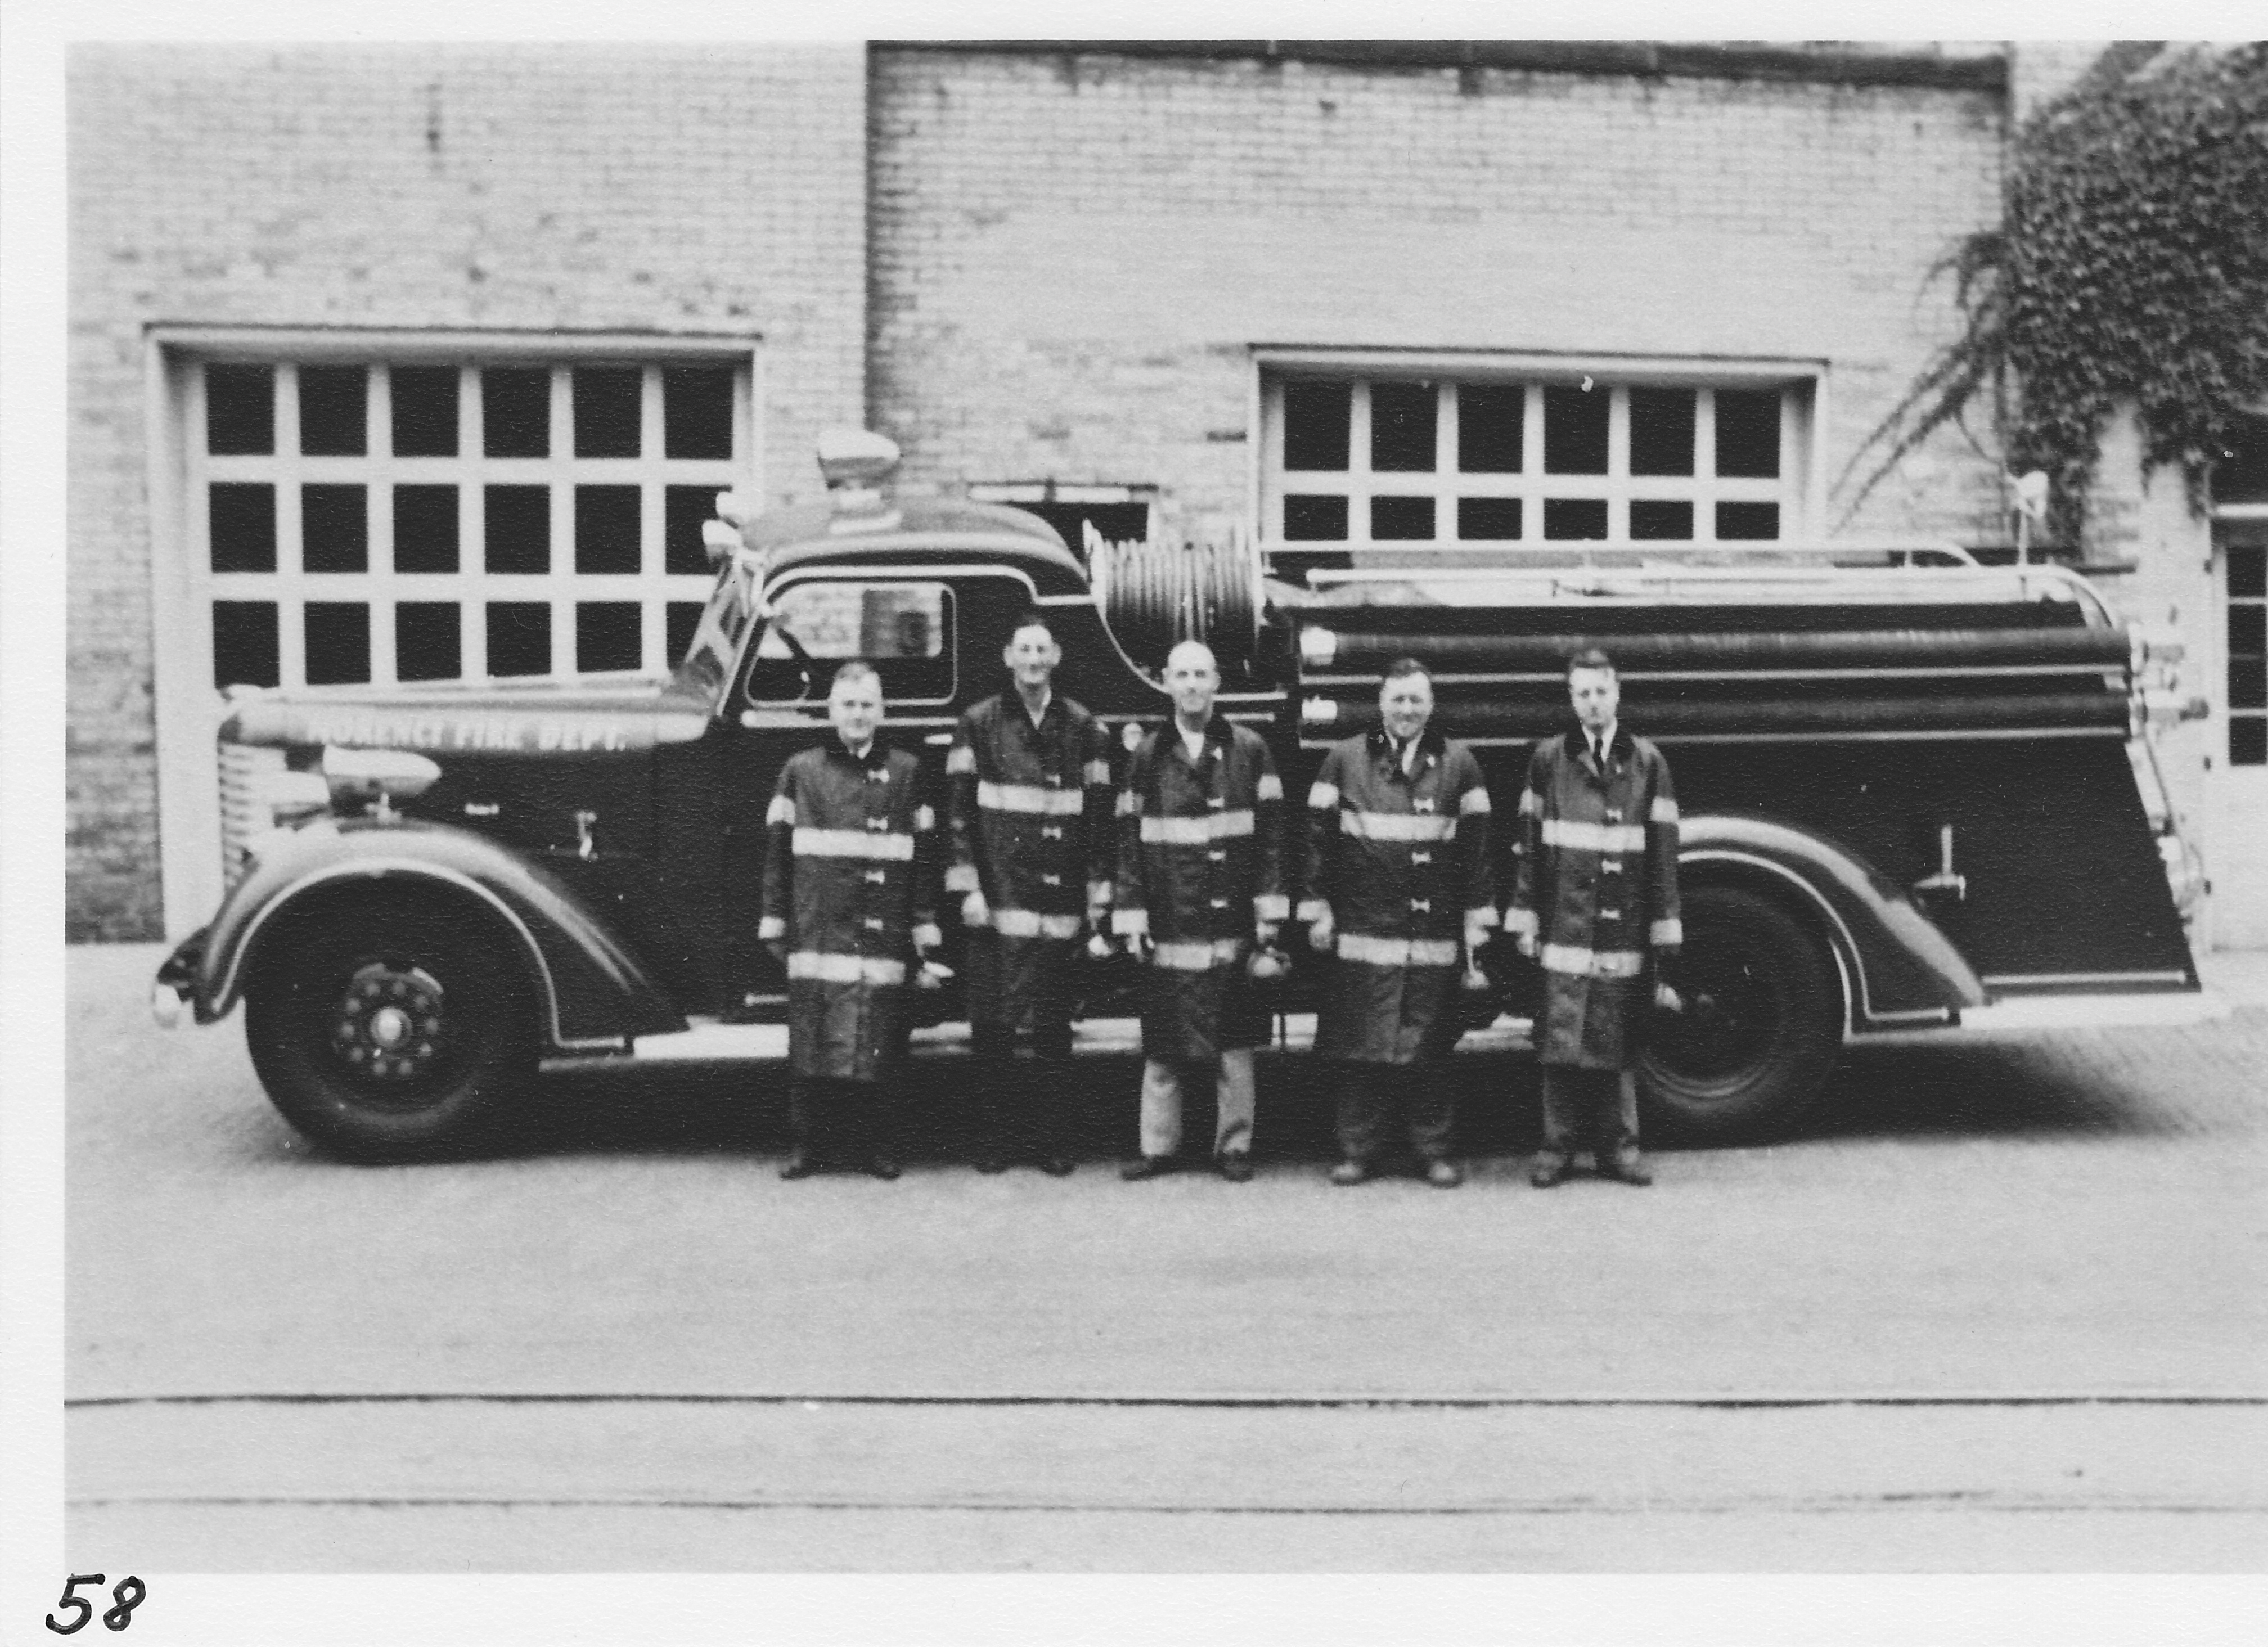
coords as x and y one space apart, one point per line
849 904
1200 894
1597 903
1399 889
1029 804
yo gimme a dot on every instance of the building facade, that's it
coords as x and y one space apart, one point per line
424 362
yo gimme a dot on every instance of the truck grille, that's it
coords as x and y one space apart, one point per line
241 768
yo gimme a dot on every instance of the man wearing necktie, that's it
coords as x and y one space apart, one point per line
1595 903
1399 893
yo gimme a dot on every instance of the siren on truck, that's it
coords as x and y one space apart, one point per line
855 462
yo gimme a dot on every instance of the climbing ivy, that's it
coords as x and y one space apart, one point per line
2131 264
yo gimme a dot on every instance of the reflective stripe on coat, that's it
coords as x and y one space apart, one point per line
851 860
1597 886
1030 809
1401 860
1200 861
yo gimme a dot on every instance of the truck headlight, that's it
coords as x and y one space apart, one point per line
378 777
276 802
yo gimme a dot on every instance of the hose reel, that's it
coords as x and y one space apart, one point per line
1155 595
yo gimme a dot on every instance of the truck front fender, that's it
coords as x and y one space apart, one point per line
593 994
1898 969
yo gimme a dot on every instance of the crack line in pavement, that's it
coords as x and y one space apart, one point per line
1654 1505
1734 1402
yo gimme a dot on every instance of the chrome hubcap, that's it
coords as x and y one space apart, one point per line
388 1023
389 1027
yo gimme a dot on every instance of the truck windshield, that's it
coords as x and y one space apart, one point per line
716 645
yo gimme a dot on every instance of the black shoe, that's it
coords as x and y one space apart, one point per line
1236 1168
1627 1168
1549 1168
1146 1167
797 1165
1444 1174
1349 1173
882 1167
1057 1166
989 1164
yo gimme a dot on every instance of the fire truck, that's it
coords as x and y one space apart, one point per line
1908 784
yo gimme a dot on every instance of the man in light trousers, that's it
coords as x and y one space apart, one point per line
1200 888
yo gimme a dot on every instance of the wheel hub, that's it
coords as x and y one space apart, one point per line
1729 1016
388 1024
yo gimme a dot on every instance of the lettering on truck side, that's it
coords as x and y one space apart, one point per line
572 733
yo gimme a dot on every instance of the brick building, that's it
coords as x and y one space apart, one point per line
423 362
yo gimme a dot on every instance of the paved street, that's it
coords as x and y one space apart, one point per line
2002 1308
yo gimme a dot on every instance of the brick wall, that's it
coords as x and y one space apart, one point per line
1072 255
714 189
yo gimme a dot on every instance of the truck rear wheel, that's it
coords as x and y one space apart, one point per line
386 1033
1751 1047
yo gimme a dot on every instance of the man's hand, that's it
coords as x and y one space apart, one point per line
1138 946
1321 931
1528 946
974 911
1476 933
930 973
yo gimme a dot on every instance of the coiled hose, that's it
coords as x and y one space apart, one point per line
1154 596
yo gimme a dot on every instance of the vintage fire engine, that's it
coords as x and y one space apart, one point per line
1909 787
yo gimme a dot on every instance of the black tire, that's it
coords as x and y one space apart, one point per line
390 1032
1760 1025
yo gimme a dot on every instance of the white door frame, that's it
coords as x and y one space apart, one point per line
187 711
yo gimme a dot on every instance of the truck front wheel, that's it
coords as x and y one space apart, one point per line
1750 1048
388 1033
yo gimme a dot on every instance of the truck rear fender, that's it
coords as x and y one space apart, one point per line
592 995
1897 968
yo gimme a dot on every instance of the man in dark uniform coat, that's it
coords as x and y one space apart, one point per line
1399 890
1597 903
1200 885
1029 803
851 867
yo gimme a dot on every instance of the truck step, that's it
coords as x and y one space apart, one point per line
710 1041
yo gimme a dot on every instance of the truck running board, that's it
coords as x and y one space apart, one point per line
711 1041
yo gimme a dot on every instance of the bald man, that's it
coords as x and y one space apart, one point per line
1200 885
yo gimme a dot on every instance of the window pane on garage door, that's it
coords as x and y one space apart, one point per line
1407 466
380 521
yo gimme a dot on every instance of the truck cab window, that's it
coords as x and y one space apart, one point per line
904 629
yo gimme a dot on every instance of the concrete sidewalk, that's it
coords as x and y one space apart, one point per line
1998 1306
1853 1255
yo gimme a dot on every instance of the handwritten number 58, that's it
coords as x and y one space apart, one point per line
128 1592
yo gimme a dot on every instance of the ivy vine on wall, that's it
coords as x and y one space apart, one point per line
2130 266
